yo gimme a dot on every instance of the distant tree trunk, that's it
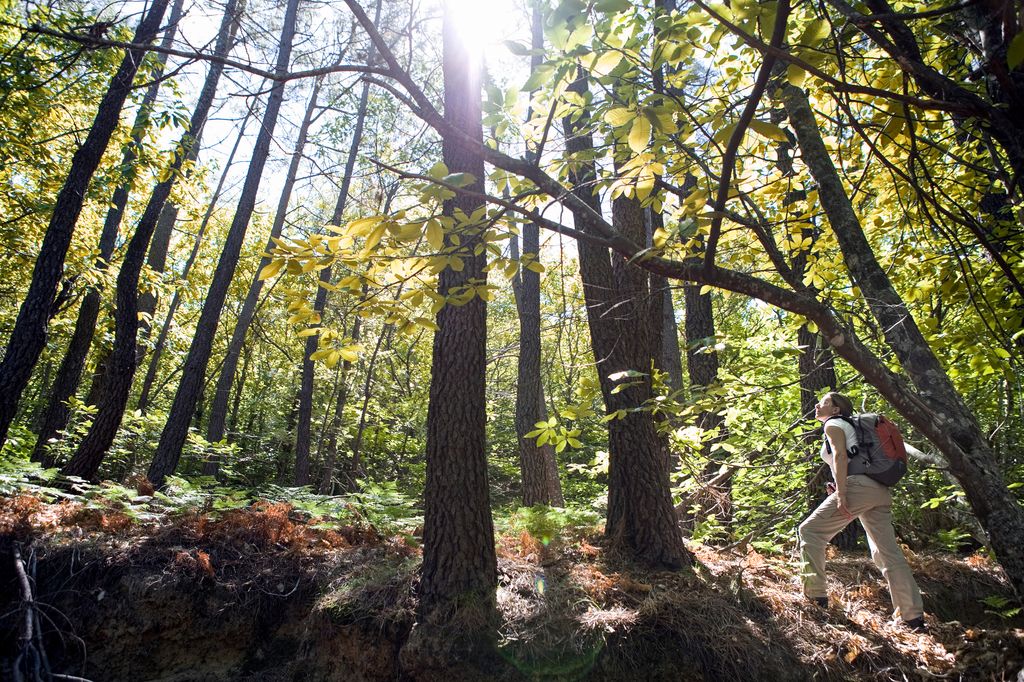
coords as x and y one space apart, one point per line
70 373
539 466
334 427
237 402
222 393
702 368
356 469
173 437
641 520
303 429
937 410
459 567
117 381
161 341
28 338
669 357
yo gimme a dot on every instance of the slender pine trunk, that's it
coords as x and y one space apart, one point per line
28 337
120 372
172 439
69 375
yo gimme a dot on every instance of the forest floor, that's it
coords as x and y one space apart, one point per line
268 593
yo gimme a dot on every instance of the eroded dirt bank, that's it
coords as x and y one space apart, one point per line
264 594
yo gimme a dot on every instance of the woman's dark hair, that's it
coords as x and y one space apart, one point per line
844 404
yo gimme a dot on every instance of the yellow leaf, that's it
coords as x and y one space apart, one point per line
362 226
619 117
456 264
332 359
640 134
408 232
271 269
312 331
426 322
350 353
435 235
606 63
375 236
795 75
535 267
769 130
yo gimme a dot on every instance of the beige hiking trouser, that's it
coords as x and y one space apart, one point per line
871 502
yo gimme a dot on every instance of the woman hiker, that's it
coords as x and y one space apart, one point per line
855 496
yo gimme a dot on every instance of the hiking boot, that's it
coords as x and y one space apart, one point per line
916 625
819 601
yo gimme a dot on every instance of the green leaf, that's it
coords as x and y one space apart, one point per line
1015 52
814 34
517 49
541 75
612 5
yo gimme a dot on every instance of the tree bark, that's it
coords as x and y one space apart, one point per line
172 439
641 518
120 371
538 464
641 521
459 563
302 432
937 410
69 375
334 427
161 341
28 337
222 393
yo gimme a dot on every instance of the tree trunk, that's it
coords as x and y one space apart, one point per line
334 428
189 388
641 521
937 410
161 341
641 518
539 466
459 564
302 432
222 394
70 373
28 337
117 380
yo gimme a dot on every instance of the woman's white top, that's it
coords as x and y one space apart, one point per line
851 439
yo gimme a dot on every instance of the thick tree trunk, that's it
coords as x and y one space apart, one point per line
191 385
222 393
161 341
117 381
69 375
28 337
459 564
937 410
641 520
